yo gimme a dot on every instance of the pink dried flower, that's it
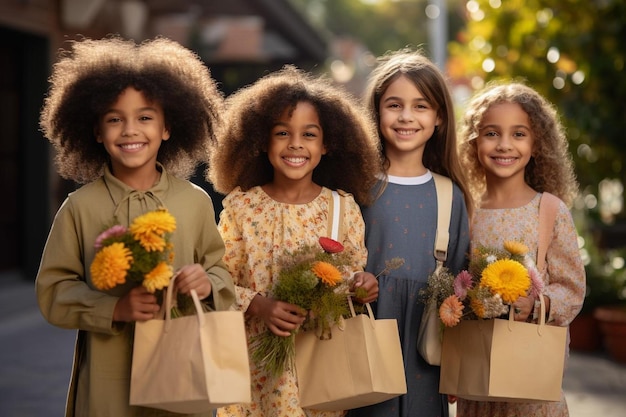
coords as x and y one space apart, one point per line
462 284
115 231
536 283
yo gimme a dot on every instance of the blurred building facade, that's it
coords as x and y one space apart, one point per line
239 40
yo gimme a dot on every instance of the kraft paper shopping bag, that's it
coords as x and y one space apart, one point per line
361 364
190 364
503 360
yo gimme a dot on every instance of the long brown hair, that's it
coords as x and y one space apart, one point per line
440 153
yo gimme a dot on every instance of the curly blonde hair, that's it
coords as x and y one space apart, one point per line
240 159
550 169
90 76
440 153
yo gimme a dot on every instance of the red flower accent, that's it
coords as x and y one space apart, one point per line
330 245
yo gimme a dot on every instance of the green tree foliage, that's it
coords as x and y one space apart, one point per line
573 52
382 25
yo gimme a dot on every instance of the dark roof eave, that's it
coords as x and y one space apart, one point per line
286 20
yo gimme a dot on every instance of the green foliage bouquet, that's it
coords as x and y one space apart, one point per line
317 279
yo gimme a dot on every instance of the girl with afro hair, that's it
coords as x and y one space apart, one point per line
131 122
289 139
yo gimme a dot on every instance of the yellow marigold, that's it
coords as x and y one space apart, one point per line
152 225
158 278
110 265
450 311
478 307
506 277
515 248
327 273
151 241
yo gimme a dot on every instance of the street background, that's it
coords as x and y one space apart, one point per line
36 359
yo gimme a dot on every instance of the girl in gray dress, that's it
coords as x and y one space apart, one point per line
409 98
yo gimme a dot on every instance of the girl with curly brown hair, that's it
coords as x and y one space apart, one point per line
289 139
131 121
514 149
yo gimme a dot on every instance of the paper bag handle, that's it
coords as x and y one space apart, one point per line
168 305
542 318
369 310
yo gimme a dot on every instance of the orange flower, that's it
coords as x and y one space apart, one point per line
149 229
151 241
158 278
110 266
450 311
327 273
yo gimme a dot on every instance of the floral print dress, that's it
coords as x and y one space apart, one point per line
564 285
257 230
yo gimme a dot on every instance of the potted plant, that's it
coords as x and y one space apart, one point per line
612 320
606 286
605 305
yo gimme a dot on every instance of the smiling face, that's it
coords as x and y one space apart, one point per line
296 145
407 118
505 142
131 131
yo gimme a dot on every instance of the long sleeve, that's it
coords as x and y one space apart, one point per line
209 253
566 272
235 254
65 299
353 237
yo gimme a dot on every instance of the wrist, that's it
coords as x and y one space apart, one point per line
537 309
255 305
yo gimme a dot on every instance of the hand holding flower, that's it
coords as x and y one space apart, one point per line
365 282
280 317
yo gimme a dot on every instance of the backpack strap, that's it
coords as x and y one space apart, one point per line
443 186
335 210
548 209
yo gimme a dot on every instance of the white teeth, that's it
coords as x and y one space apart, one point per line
405 132
131 146
505 160
295 160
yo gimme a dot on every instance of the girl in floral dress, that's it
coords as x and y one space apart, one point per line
514 149
289 139
131 121
409 99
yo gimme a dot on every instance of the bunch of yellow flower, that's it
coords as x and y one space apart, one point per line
141 253
495 279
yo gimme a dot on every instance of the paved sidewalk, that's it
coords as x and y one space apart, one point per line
36 358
